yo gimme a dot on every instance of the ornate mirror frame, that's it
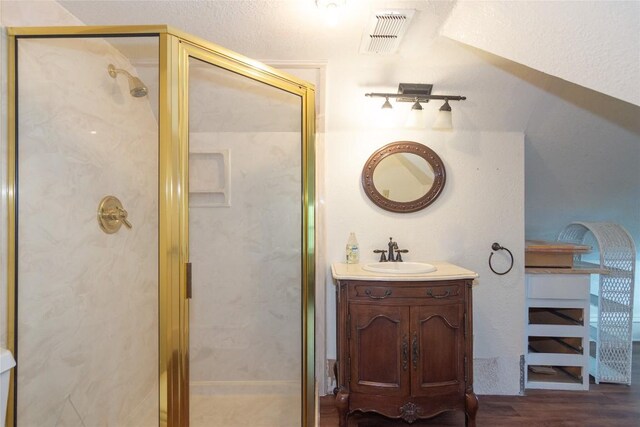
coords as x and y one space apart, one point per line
404 147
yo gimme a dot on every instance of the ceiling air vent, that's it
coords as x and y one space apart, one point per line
385 31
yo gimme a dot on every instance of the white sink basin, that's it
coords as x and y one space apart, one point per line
399 267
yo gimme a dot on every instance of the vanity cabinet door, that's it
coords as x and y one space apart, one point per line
437 350
379 349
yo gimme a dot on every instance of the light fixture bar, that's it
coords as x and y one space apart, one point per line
415 97
415 92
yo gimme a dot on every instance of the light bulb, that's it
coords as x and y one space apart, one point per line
444 119
415 119
331 10
332 14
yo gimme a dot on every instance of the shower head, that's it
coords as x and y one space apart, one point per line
137 88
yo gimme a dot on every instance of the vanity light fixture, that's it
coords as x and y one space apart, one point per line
418 93
444 119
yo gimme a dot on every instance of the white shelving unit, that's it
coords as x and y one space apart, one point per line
557 318
610 360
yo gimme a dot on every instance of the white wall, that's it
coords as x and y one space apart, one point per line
482 202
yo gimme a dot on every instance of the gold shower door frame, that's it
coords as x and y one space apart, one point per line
173 255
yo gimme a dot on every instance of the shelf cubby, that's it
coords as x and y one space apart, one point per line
557 354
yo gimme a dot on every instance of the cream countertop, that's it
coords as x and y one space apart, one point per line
445 271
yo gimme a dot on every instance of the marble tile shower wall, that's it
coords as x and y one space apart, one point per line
245 315
87 300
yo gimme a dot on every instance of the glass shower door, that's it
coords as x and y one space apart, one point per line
246 249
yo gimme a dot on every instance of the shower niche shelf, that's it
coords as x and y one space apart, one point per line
209 183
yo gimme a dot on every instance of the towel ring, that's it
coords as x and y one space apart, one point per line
498 247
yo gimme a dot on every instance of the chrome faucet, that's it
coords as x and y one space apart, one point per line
395 254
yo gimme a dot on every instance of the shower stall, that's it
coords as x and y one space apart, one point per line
161 232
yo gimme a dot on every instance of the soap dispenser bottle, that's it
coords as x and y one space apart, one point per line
353 252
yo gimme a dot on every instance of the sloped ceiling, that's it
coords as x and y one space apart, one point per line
595 44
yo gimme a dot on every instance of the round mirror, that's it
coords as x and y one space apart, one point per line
403 176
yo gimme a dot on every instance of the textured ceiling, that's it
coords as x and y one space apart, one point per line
295 30
502 95
268 29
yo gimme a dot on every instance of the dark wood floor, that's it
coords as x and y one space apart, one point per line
604 405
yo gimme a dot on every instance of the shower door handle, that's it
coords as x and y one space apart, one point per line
189 288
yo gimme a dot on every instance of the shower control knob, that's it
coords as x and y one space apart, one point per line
111 215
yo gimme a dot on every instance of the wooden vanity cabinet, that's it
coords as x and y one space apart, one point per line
405 349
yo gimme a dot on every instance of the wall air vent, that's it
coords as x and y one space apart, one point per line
385 31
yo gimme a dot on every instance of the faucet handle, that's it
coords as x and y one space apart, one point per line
382 253
122 216
399 253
